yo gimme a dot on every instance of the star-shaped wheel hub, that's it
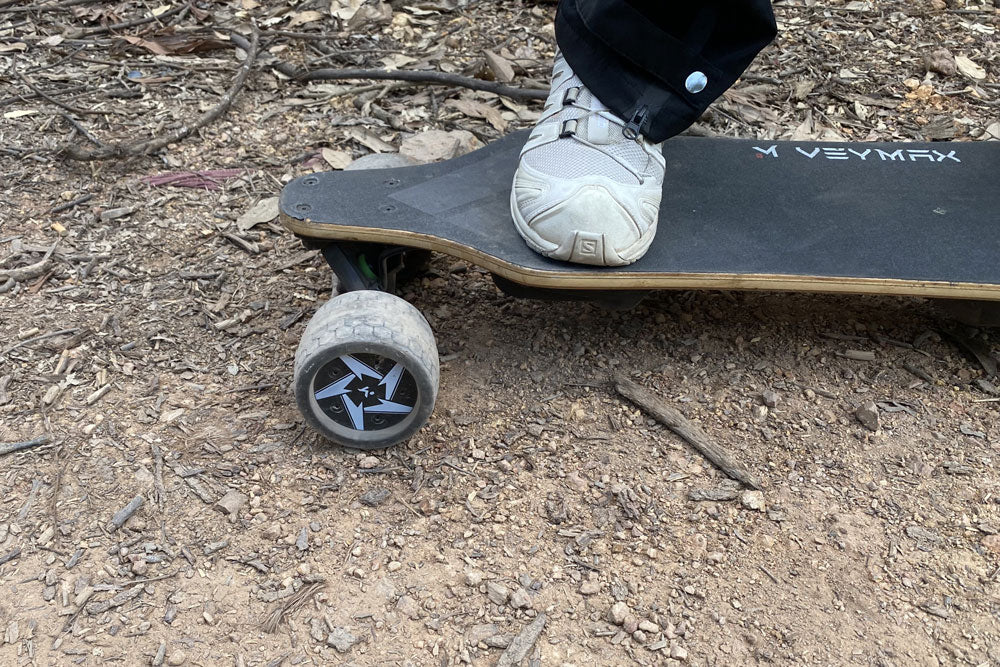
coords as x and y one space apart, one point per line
364 391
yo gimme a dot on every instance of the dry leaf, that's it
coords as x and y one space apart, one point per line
396 60
502 70
301 18
178 44
265 210
337 159
378 13
969 68
479 110
16 46
437 145
369 140
345 9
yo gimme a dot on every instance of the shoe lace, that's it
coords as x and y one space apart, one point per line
602 112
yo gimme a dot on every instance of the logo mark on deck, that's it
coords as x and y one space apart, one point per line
866 155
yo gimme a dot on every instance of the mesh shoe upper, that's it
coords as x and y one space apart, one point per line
583 191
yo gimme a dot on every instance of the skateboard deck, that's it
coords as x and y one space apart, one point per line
919 219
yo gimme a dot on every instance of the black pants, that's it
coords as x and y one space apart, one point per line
659 64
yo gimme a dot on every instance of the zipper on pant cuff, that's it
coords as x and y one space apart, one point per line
633 128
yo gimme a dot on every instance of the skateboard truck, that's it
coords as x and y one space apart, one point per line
352 264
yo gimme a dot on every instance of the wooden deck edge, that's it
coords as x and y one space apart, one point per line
604 280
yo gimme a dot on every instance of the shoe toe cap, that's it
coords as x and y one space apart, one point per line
593 227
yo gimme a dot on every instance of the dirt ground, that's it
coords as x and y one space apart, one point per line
151 331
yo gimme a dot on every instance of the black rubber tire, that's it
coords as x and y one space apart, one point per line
367 323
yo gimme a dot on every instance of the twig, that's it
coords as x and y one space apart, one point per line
290 605
438 78
30 271
12 447
87 134
45 6
35 339
62 105
124 514
70 204
523 643
10 555
679 424
181 133
90 32
160 494
768 573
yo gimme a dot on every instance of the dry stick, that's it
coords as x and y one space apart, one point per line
46 6
90 32
439 78
62 105
70 204
160 493
30 271
290 605
521 645
35 339
82 130
679 424
24 97
124 514
12 447
181 133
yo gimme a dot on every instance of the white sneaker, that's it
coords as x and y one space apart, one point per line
584 192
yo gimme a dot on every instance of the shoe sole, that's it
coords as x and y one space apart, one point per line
585 248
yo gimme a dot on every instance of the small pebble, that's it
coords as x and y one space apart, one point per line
177 658
617 613
752 500
375 497
497 593
649 626
867 414
520 599
630 624
770 398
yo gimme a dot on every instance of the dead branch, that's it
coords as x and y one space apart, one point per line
181 133
678 423
48 6
62 105
10 448
124 514
436 78
30 271
35 339
180 12
290 605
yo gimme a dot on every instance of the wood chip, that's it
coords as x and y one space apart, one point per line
523 643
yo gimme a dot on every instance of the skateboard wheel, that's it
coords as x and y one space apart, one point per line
366 370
